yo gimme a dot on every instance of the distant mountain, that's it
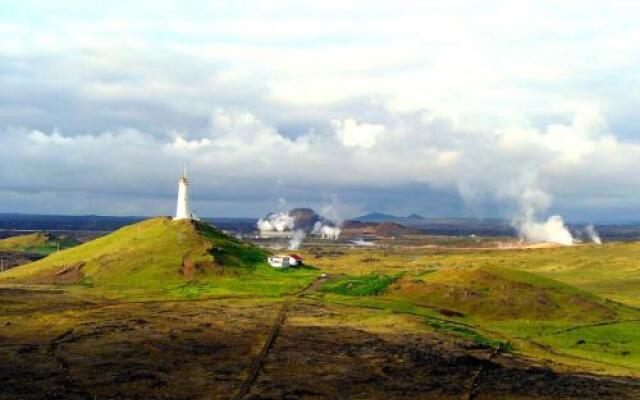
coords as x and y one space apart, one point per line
445 226
377 217
377 229
64 222
417 219
412 219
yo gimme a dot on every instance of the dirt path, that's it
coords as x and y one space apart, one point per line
52 348
477 376
259 360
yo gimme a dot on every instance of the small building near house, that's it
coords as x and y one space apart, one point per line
284 260
297 258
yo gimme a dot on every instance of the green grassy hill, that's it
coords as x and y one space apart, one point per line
37 242
567 304
495 293
184 258
610 270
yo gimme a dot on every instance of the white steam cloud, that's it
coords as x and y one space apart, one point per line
326 231
553 230
330 226
278 222
532 230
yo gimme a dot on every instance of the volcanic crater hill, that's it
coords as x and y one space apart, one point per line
151 253
305 218
497 293
378 229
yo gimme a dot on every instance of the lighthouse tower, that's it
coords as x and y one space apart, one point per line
182 210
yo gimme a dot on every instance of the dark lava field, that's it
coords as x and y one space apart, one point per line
57 346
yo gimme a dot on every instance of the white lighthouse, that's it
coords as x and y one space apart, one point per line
182 210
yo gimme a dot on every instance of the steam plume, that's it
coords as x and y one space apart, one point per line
296 239
553 230
277 222
326 231
530 229
591 232
329 226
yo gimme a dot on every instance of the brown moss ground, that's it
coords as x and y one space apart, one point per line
56 346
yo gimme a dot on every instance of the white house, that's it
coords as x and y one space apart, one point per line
284 260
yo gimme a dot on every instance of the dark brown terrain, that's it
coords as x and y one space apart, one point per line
56 346
12 259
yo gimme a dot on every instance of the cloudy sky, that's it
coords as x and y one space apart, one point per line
457 108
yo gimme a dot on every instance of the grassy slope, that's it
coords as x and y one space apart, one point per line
516 301
120 259
613 344
37 242
150 255
611 270
497 293
525 306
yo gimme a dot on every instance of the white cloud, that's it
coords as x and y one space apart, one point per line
240 152
491 61
485 100
352 134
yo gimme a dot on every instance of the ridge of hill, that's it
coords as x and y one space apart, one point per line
376 216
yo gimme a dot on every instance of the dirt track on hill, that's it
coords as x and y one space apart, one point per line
212 349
